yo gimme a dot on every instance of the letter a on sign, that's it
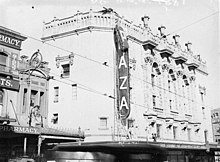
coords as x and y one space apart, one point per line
123 103
122 62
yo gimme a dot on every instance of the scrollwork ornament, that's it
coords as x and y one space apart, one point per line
165 67
148 60
179 73
192 78
71 56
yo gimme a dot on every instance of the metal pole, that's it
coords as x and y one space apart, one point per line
14 111
39 145
115 101
25 146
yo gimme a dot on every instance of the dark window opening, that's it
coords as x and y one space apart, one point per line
3 61
158 130
154 100
174 132
33 98
66 70
54 119
56 94
42 101
24 101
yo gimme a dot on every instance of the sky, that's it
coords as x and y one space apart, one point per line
196 21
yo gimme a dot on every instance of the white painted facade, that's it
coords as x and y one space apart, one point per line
86 43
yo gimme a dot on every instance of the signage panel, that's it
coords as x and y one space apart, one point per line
10 41
122 77
19 129
9 83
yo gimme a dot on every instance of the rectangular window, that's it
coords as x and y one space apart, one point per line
3 61
169 87
152 79
74 91
66 70
174 132
54 119
170 104
206 136
24 101
189 134
203 112
56 94
202 97
103 122
158 130
154 100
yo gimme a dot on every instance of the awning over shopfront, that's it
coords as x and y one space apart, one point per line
18 141
46 133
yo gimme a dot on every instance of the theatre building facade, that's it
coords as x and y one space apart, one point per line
24 131
163 82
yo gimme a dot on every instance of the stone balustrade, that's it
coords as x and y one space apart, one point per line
88 21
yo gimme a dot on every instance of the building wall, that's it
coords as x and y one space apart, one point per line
9 87
156 108
83 106
14 70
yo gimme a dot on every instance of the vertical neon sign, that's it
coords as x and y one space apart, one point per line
122 74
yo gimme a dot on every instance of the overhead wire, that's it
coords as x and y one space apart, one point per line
104 94
84 87
193 23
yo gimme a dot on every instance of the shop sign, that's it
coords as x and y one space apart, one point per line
10 41
122 79
185 146
9 83
19 129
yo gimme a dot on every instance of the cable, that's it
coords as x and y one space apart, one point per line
92 90
113 67
180 29
62 49
86 87
110 96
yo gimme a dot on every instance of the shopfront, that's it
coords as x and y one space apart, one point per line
31 142
180 152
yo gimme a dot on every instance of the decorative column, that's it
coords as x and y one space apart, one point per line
165 74
148 60
179 91
91 17
193 101
159 90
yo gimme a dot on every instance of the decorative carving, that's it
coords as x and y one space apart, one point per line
58 61
192 78
162 31
148 60
71 56
133 63
202 89
165 67
145 20
176 40
179 73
